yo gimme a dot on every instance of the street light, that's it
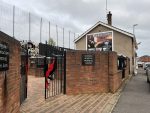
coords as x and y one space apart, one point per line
134 59
133 28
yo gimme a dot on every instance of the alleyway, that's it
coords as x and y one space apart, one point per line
135 98
35 93
83 103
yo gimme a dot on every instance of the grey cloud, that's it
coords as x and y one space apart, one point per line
78 15
84 12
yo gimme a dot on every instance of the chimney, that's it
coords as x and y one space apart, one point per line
109 18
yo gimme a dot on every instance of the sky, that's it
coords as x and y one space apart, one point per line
80 15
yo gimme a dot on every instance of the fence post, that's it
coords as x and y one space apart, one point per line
74 39
63 37
49 31
13 21
57 34
45 69
29 27
64 72
41 31
69 39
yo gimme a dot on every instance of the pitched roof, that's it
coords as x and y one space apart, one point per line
108 26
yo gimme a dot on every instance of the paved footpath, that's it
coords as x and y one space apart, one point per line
83 103
135 97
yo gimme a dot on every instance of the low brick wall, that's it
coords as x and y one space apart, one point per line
86 79
115 75
37 72
101 77
10 84
31 71
115 81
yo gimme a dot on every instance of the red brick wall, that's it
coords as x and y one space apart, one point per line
115 75
38 72
31 71
34 71
115 81
102 77
10 86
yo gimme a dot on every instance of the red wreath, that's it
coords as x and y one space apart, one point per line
50 71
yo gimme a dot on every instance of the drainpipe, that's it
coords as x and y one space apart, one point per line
132 58
109 89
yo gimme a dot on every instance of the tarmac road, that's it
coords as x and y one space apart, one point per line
135 97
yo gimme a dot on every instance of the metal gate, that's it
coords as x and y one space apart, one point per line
54 69
23 72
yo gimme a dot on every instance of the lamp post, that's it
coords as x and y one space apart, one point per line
134 57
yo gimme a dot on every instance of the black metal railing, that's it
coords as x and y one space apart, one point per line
54 69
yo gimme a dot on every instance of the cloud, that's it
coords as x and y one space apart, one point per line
79 15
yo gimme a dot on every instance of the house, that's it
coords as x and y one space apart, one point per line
144 58
105 37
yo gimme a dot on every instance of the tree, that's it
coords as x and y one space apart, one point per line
51 42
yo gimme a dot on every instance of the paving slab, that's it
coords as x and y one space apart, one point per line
82 103
135 97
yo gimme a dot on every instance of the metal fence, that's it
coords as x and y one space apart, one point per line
54 69
24 25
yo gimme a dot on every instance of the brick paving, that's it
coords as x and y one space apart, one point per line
83 103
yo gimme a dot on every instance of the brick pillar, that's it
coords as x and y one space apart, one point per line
10 84
113 62
114 74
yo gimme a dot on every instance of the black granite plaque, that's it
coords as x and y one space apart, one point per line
88 59
4 56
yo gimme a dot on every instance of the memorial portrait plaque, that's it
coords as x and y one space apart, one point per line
4 56
88 59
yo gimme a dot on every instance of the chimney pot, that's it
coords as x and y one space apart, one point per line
109 18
